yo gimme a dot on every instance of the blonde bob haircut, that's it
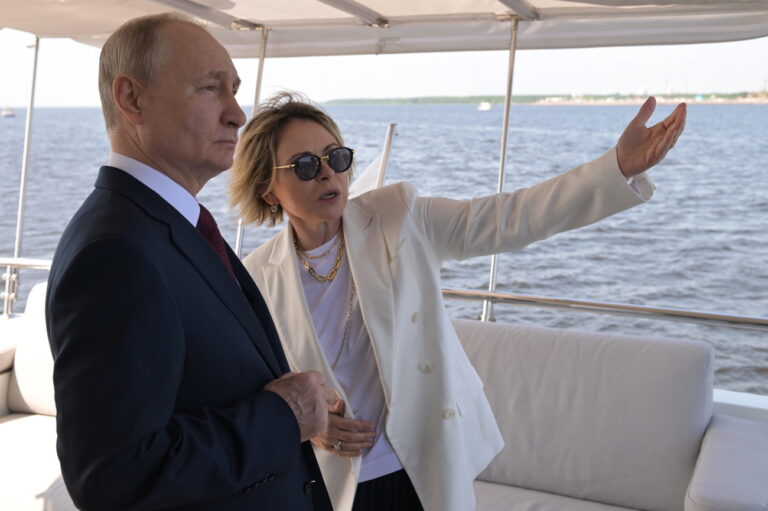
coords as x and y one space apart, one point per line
134 49
252 175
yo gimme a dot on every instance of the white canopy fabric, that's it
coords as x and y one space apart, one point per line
353 27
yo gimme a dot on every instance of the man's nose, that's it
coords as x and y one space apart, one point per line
233 114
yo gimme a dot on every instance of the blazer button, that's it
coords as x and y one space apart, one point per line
448 414
308 487
415 317
425 368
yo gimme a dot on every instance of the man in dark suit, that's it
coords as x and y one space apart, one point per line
172 388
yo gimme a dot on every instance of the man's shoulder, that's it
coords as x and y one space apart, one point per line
106 217
108 213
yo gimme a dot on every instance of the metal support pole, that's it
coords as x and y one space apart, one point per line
487 314
385 154
260 74
11 275
256 98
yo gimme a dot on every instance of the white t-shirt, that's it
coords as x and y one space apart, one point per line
357 371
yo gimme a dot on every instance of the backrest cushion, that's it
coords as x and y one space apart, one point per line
7 342
610 418
9 334
31 389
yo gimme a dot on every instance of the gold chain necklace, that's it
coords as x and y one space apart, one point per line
346 327
319 256
308 266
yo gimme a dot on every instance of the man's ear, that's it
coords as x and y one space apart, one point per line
126 91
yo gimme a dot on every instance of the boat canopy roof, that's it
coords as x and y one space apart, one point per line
354 27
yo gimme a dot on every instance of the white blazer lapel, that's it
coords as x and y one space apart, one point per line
366 243
287 301
299 338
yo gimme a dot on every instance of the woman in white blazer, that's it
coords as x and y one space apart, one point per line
354 289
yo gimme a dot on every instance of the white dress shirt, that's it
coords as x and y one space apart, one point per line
171 191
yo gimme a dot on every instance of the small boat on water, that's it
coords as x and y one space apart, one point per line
7 112
484 106
591 421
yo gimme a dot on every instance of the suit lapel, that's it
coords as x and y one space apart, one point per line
191 243
256 300
197 250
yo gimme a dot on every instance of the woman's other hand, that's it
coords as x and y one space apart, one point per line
345 437
641 148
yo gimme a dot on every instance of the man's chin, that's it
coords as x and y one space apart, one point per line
224 165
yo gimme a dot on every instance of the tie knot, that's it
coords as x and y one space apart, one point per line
205 222
210 231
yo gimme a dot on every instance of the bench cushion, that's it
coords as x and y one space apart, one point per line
30 475
732 471
608 418
500 497
8 336
31 387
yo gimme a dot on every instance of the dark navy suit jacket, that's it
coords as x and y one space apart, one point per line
159 361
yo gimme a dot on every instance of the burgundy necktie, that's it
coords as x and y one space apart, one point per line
210 231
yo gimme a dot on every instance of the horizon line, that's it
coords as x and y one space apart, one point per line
486 97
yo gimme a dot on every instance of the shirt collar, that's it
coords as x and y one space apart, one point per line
171 191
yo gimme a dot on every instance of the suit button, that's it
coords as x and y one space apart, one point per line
308 487
415 317
425 368
448 414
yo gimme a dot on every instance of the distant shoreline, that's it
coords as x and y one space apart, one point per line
758 98
756 101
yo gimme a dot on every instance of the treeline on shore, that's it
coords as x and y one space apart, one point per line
527 99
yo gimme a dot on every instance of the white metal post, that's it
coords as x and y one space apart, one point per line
487 314
11 275
256 98
385 154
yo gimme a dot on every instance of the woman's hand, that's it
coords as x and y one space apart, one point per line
345 437
641 148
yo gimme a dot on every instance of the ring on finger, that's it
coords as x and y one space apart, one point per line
337 446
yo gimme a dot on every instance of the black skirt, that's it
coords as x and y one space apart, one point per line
392 492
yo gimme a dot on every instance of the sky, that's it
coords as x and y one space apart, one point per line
67 72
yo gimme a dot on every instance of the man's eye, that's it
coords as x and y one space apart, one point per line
210 88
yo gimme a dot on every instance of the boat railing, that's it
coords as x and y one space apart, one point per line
664 313
11 277
13 264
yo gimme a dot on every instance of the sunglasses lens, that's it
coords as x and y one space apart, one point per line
340 159
306 167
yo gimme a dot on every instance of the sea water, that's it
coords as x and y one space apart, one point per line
701 243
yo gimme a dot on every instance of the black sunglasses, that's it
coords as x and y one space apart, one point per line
307 167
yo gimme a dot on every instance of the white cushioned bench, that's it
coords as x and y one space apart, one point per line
604 422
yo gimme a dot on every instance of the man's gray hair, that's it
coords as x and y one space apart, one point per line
133 49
